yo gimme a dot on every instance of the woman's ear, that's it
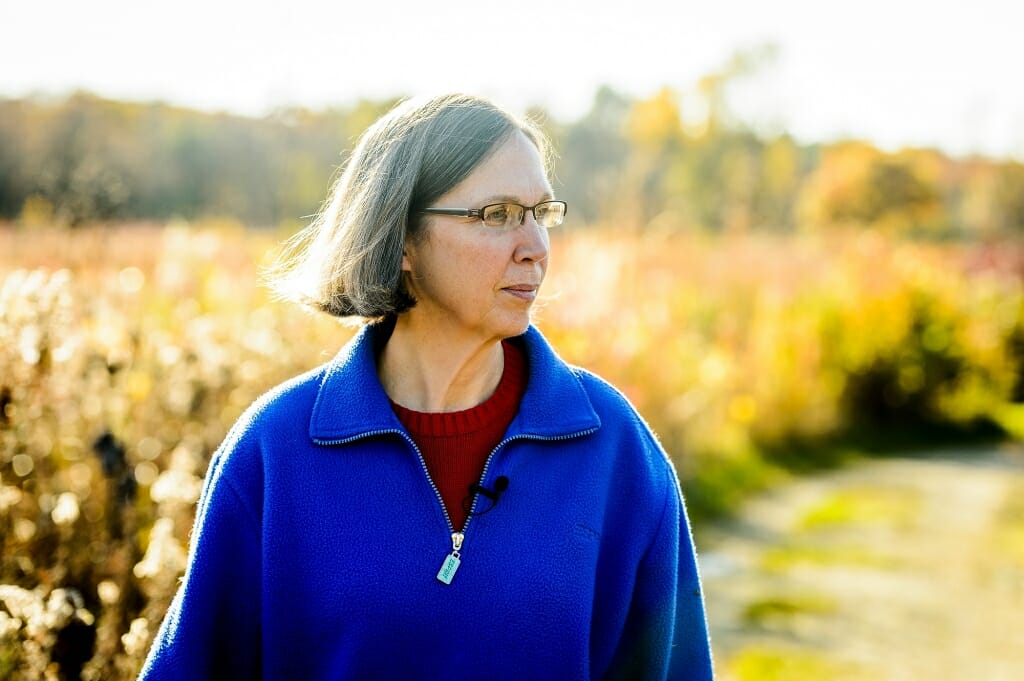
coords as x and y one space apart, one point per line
406 262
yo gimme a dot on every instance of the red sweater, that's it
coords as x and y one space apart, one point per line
455 445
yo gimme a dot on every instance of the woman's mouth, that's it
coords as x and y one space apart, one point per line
522 291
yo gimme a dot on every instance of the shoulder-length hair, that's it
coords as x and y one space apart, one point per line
348 261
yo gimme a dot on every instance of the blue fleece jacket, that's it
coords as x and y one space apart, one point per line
320 544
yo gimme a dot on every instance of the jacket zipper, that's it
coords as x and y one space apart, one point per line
453 560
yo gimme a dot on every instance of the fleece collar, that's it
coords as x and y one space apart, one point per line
351 403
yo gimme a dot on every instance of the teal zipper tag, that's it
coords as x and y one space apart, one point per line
451 563
448 568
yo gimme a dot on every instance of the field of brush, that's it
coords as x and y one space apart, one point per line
126 353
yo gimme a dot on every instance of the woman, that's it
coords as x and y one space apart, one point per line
446 498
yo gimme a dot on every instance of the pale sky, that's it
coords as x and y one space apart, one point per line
896 72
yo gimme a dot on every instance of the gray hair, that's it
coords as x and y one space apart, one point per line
348 261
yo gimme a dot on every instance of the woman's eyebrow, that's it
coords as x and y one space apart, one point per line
509 198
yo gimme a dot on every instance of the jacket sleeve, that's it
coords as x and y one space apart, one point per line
212 628
666 634
690 653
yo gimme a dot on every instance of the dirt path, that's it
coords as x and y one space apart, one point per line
896 569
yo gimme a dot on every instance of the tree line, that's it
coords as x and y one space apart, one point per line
633 162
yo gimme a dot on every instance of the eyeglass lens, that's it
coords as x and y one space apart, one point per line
547 214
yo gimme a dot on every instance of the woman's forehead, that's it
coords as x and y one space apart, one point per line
513 172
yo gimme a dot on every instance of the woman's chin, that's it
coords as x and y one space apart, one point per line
517 325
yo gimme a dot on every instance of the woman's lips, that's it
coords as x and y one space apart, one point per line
523 292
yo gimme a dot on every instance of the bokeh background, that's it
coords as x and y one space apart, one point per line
794 241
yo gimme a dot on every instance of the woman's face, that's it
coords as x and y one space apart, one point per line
477 280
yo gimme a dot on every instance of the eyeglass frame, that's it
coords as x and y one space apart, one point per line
479 212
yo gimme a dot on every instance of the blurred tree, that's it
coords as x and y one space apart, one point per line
1008 197
78 173
707 174
592 152
13 141
780 174
654 131
715 86
974 199
856 184
670 161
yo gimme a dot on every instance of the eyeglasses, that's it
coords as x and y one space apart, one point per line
548 214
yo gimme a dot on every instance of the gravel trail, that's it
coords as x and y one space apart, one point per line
891 570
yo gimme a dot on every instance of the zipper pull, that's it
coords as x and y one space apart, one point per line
452 560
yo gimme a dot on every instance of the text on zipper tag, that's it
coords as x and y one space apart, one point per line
448 568
452 560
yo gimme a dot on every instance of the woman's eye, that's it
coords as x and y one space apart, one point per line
496 215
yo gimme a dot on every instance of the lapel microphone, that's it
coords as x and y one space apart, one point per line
500 485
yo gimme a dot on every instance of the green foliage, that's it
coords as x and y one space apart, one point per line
763 352
782 558
637 163
763 663
775 608
94 159
868 506
723 481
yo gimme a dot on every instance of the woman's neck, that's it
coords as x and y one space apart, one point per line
437 370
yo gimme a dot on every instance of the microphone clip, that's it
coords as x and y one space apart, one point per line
500 485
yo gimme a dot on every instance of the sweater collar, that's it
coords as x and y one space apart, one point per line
351 403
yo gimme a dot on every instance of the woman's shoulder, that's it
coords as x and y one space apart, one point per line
547 365
621 420
280 411
605 396
610 402
616 416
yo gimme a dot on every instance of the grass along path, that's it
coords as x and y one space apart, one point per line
889 570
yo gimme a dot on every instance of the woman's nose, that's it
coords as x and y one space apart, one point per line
533 240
